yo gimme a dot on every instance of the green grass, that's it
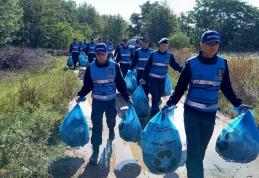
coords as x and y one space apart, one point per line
33 103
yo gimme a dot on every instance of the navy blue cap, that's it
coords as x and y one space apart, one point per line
164 41
101 48
145 39
210 36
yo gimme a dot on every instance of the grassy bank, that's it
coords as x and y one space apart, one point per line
33 104
244 69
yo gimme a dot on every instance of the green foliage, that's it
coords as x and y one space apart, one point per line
30 118
179 40
114 27
10 20
236 21
155 20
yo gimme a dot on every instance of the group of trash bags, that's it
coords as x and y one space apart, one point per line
161 143
239 140
83 60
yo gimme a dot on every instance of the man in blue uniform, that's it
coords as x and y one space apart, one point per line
206 74
140 59
85 46
74 51
110 48
90 50
117 49
102 77
81 47
155 72
124 57
138 44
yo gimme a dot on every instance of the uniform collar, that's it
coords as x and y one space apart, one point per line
161 52
205 60
102 65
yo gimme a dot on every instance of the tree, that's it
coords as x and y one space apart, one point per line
236 21
10 20
179 40
155 20
114 27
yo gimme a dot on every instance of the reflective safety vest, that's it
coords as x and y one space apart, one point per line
205 84
81 48
75 47
92 48
160 65
143 58
104 88
125 55
110 47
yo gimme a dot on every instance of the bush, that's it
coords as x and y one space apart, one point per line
179 40
22 58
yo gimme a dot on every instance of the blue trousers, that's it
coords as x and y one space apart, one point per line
98 108
156 88
199 127
124 68
75 57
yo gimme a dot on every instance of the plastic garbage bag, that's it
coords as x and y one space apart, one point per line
140 102
161 147
74 129
239 140
135 72
83 60
70 62
168 86
129 128
131 81
111 59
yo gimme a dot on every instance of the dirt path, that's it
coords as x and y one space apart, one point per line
124 160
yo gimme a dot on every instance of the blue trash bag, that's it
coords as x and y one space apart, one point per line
168 86
239 140
140 102
129 128
70 62
161 146
111 59
131 81
83 60
74 129
135 72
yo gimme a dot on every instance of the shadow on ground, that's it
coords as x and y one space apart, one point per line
65 167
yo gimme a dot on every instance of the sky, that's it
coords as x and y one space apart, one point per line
126 7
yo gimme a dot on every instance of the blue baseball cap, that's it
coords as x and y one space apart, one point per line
164 41
210 36
101 48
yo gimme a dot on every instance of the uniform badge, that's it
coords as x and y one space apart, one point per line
220 72
110 73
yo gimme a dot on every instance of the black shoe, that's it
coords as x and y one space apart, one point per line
111 134
94 157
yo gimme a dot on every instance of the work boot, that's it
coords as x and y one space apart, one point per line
94 157
111 134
